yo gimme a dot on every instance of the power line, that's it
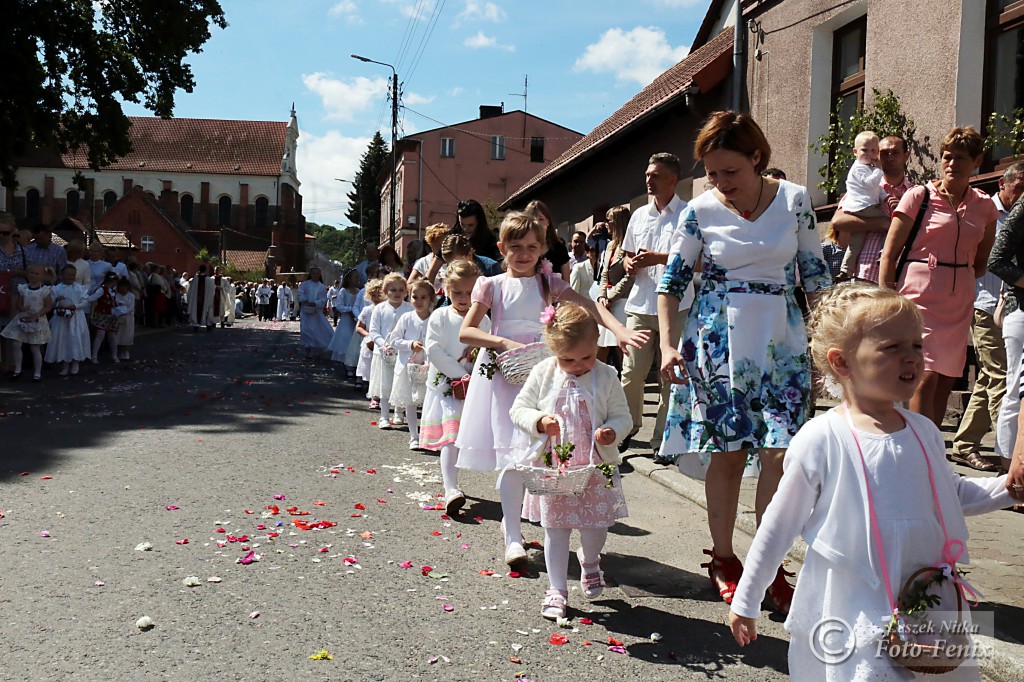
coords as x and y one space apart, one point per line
438 8
483 136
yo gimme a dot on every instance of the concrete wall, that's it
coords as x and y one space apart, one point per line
928 52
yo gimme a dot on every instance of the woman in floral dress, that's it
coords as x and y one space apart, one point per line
743 373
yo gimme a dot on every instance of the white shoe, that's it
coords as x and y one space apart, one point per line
453 502
515 554
414 444
74 367
64 369
398 421
383 424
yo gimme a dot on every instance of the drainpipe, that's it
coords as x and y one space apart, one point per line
738 36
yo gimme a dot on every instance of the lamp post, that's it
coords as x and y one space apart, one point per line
394 137
359 193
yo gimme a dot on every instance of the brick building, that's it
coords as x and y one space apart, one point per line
230 187
486 159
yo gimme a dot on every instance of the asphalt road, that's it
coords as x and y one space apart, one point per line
202 438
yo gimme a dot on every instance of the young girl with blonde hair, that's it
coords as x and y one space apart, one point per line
868 487
382 321
408 337
516 299
360 348
574 398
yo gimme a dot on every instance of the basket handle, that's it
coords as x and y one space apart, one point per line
933 569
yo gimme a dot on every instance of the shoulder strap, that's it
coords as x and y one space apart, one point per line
912 236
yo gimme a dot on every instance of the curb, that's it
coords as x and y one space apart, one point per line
1007 661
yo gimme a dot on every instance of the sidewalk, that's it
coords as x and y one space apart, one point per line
996 546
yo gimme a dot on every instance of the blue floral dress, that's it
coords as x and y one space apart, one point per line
744 343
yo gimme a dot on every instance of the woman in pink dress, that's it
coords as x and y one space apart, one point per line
949 251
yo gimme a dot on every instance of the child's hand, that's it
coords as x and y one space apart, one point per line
548 426
604 436
744 630
508 344
417 347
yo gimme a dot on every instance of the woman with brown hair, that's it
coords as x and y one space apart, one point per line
614 282
956 227
743 378
557 253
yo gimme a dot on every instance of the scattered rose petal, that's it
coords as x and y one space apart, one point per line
478 519
517 647
248 558
382 501
220 530
558 639
655 636
191 581
183 541
360 506
513 574
142 547
214 579
432 660
25 473
356 516
254 614
614 642
563 622
325 549
46 478
350 561
279 497
425 570
46 534
586 621
406 564
248 511
516 660
617 649
260 526
448 607
464 546
486 571
366 536
320 503
273 509
172 507
436 533
145 623
99 583
371 471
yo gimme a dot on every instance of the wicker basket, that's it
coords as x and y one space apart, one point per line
389 358
556 480
515 364
928 658
417 373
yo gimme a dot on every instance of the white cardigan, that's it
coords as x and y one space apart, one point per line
537 399
444 348
822 497
383 320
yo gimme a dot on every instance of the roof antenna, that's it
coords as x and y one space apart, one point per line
524 93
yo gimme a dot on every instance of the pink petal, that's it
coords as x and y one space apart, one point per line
448 607
406 564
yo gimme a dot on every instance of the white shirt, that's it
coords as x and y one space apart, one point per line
263 295
988 286
652 230
863 188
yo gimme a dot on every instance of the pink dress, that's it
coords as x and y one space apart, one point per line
945 294
597 506
486 431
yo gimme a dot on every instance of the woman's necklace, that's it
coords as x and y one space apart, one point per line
746 214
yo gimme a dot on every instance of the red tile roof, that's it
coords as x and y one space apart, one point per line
192 145
246 260
665 88
116 239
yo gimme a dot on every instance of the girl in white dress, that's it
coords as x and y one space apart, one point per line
868 487
360 348
69 331
315 332
124 311
408 337
576 392
449 362
31 305
102 318
347 304
516 300
382 321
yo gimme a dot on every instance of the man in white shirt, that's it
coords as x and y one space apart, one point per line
646 245
982 411
263 295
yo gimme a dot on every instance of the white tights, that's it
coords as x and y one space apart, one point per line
449 472
413 421
556 552
511 489
97 343
37 357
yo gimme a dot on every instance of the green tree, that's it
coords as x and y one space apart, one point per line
365 192
885 117
68 65
344 245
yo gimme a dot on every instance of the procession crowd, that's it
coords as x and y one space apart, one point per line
515 353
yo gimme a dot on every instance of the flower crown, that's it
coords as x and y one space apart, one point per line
548 316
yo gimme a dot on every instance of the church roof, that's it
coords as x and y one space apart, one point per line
246 261
191 145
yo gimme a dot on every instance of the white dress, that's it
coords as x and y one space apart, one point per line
382 370
315 332
408 329
486 433
124 311
821 498
37 332
69 336
362 360
348 306
284 302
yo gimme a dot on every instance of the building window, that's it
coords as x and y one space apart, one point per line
148 244
262 212
447 147
848 66
224 211
109 199
498 147
73 202
1005 52
32 205
537 149
187 209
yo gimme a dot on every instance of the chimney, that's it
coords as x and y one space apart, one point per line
490 111
169 202
127 184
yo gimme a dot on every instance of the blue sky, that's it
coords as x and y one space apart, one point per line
584 59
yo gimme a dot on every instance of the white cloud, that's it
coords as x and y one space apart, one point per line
342 100
639 55
482 41
347 9
456 91
412 99
321 159
481 11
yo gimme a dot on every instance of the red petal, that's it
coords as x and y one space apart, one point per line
558 639
614 642
436 532
371 471
586 621
360 505
356 516
46 478
513 574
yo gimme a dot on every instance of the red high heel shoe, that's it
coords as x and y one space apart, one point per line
726 570
780 592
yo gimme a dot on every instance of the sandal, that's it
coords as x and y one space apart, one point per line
780 592
726 571
555 605
591 581
974 461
